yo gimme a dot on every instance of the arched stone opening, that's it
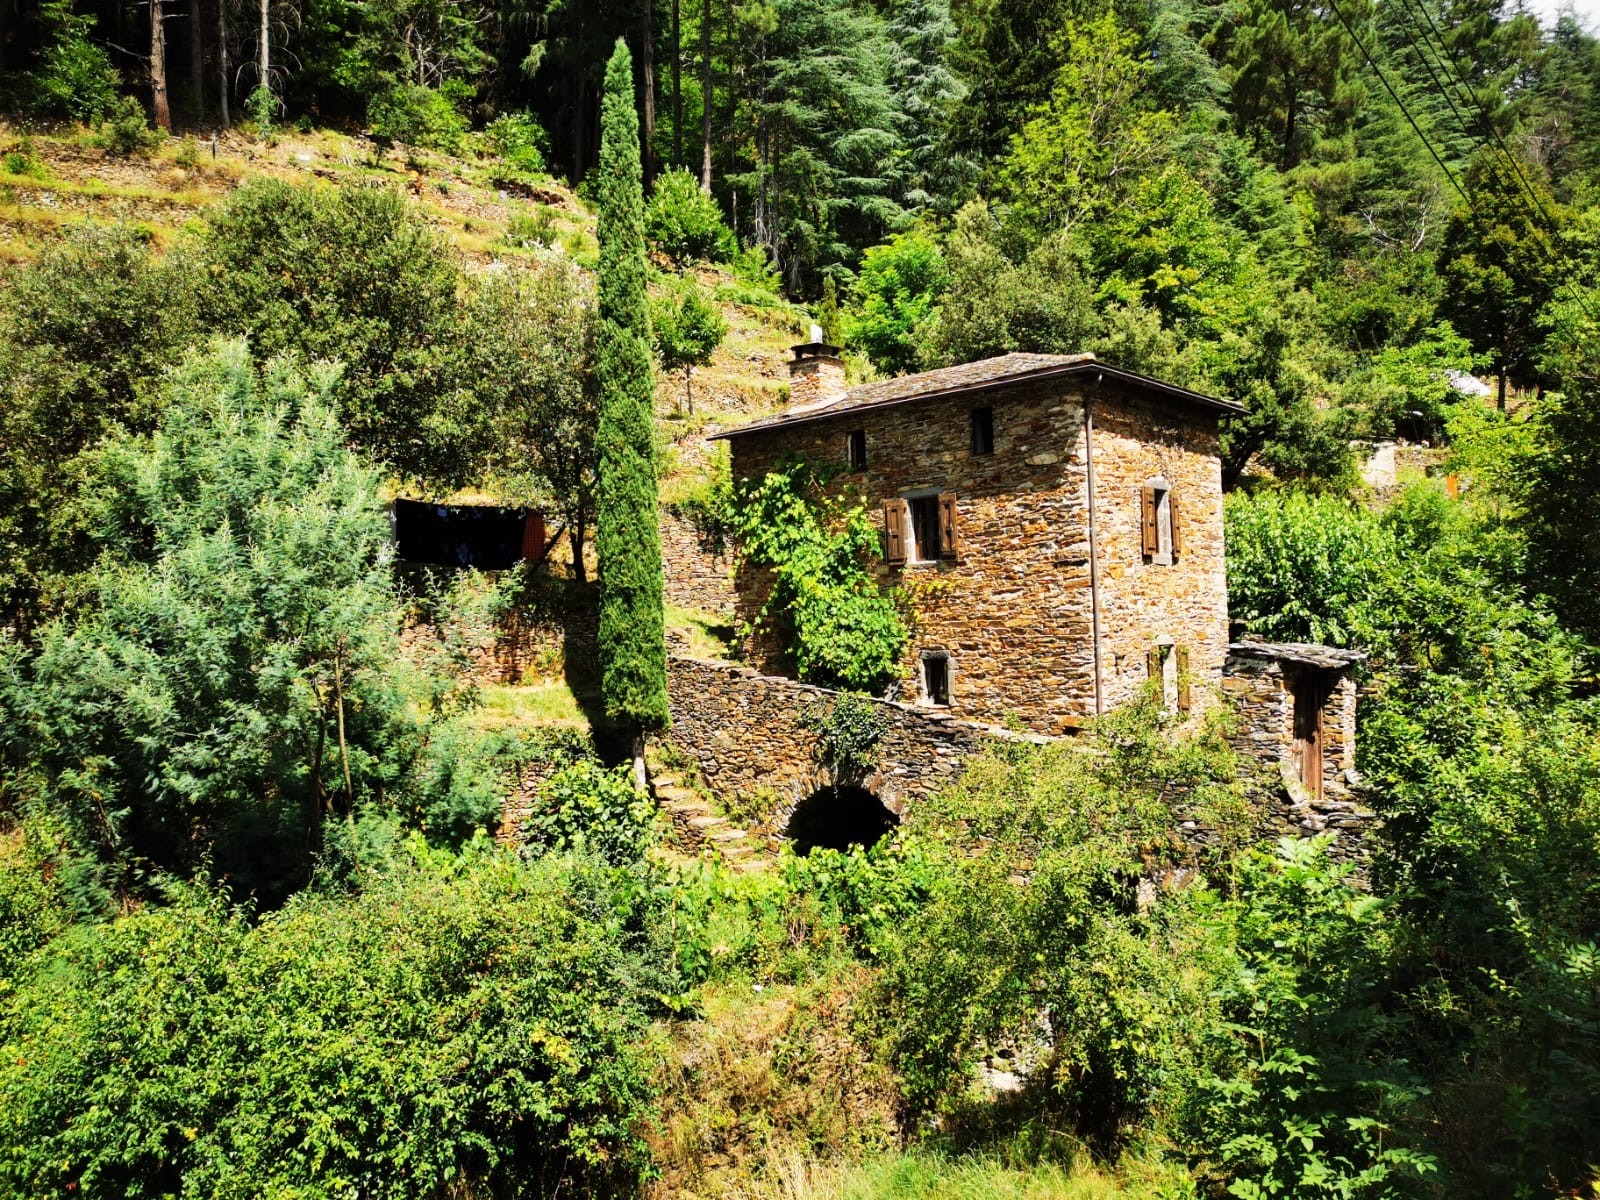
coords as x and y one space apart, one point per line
837 818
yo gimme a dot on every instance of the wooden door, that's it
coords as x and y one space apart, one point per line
1310 693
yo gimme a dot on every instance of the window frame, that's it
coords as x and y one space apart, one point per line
1158 523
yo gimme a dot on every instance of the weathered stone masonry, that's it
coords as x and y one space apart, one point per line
743 730
1014 608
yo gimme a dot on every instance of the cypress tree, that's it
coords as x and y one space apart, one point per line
632 645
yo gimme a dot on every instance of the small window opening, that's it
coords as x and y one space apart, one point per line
924 512
983 431
936 679
857 445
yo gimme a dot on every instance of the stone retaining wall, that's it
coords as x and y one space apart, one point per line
699 573
743 730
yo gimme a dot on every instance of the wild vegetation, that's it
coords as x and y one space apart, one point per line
264 927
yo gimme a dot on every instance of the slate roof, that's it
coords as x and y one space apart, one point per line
1329 658
977 376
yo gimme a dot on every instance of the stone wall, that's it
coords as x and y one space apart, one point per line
743 730
699 572
1013 610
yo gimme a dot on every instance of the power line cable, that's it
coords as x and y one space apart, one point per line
1553 257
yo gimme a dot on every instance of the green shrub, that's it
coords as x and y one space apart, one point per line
588 809
530 228
463 1025
75 79
895 300
417 116
684 223
1310 1095
124 131
517 140
1035 910
261 107
233 687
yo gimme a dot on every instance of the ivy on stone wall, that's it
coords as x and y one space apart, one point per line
841 629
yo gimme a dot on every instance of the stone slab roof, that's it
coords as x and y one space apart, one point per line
1306 654
978 376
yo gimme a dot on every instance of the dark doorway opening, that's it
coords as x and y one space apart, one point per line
837 818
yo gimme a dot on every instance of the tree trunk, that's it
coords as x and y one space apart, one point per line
197 61
222 64
264 50
647 79
640 780
705 100
677 88
575 537
158 67
1502 397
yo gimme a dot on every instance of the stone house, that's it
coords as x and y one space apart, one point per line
1055 520
1056 524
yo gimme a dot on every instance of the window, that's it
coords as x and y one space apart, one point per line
936 678
920 529
1159 523
924 512
982 431
857 449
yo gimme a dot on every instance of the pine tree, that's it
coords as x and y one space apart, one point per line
633 662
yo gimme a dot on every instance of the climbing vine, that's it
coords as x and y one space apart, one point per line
849 731
841 629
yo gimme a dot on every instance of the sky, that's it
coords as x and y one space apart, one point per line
1588 12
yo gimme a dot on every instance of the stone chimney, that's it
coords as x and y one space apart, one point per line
816 374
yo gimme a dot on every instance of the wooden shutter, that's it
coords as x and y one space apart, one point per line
1152 662
1183 679
1172 514
947 526
894 525
1150 542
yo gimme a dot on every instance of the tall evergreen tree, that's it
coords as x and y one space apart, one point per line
633 659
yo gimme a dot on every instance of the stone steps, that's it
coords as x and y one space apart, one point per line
700 827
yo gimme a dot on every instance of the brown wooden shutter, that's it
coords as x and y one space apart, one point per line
894 525
947 526
1183 679
1172 513
1152 662
1148 538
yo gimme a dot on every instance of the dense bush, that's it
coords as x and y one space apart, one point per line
1035 910
462 1025
685 223
417 116
894 299
84 330
233 687
518 142
587 809
350 275
75 78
